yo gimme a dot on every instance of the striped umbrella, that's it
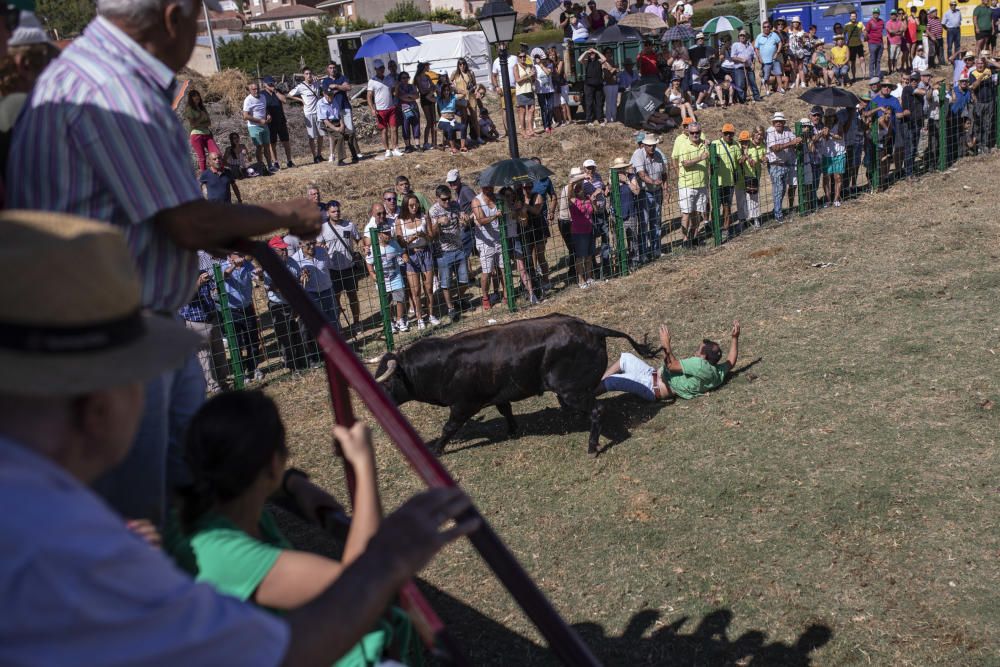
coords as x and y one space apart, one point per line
721 24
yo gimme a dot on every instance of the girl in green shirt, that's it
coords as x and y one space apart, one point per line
753 154
236 453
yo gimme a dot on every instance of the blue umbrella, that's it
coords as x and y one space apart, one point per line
546 7
387 42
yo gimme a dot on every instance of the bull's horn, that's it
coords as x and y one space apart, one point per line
390 368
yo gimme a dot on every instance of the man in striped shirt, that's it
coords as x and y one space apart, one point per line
98 138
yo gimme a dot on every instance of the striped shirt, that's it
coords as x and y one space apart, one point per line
99 139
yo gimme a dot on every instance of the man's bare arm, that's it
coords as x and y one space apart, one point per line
205 225
326 628
734 347
672 363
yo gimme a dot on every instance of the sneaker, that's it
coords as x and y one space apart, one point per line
756 223
533 300
836 203
402 326
453 315
258 375
420 325
331 158
341 163
396 152
290 164
317 159
273 168
433 320
388 153
583 285
320 157
426 147
590 281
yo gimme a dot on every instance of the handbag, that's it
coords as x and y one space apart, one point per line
358 266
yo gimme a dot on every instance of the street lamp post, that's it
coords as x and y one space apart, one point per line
498 20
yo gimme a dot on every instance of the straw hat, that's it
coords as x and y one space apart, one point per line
620 163
73 323
576 174
650 140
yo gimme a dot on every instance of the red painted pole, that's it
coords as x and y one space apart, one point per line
344 370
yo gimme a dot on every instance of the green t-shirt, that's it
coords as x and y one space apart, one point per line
690 177
758 154
983 17
726 167
854 31
697 377
235 564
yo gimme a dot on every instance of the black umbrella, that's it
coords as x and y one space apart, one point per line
618 33
840 8
678 33
512 172
831 97
639 102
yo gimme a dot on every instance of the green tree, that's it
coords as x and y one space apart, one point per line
277 54
405 10
65 18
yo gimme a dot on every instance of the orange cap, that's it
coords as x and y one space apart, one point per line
744 136
687 120
729 127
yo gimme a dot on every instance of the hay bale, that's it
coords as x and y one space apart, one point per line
228 87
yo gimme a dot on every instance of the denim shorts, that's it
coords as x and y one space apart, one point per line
419 261
452 259
583 245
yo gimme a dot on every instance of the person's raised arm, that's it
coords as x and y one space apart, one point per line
325 629
205 225
672 363
734 347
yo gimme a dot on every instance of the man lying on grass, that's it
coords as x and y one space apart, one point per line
675 378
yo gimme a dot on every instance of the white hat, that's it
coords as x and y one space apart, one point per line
377 63
576 174
589 163
777 116
29 31
453 175
805 121
700 35
650 140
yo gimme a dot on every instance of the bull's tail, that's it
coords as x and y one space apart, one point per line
644 348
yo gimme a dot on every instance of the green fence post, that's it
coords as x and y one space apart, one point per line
876 176
713 185
996 120
800 169
235 362
943 127
508 276
620 241
383 297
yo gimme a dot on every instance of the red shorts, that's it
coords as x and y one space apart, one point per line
387 118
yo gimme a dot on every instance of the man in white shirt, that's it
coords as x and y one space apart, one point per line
380 103
781 143
496 79
257 118
308 94
79 587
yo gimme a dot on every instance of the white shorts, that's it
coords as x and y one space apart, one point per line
490 257
313 127
564 95
693 200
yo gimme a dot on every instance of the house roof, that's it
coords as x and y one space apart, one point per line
288 12
236 36
228 20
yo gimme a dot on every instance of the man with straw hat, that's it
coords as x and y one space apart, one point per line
651 168
116 151
79 587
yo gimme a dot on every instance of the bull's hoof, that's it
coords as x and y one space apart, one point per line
593 451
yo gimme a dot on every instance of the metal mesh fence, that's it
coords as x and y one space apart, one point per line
462 256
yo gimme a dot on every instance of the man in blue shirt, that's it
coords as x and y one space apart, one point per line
201 315
336 80
239 272
766 47
217 184
952 22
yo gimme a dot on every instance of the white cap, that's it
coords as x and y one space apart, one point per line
377 63
700 35
589 163
29 31
453 175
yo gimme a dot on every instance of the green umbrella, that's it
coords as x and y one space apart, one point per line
722 24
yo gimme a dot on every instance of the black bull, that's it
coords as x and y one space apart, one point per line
502 364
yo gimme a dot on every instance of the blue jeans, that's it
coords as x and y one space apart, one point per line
137 488
452 259
875 60
742 78
545 103
954 42
453 132
652 211
769 69
779 182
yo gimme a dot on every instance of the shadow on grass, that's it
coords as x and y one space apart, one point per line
622 412
487 642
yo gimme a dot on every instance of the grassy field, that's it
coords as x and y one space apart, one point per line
836 503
